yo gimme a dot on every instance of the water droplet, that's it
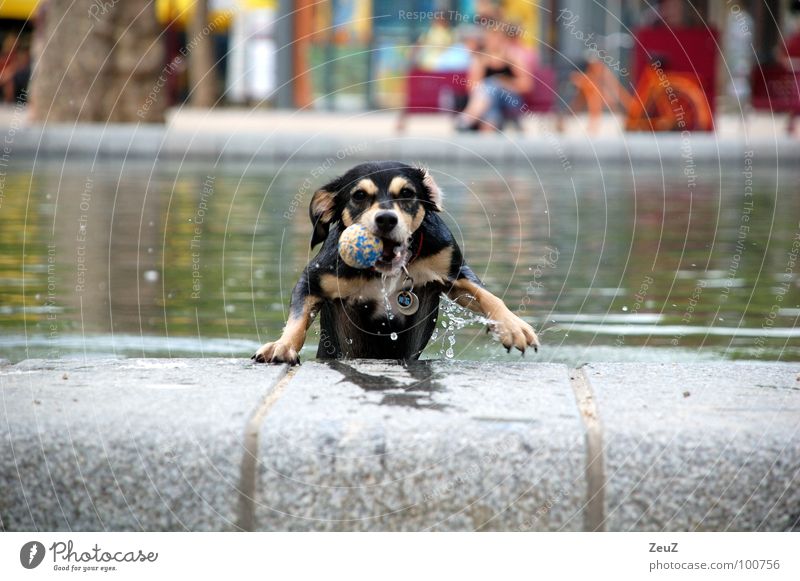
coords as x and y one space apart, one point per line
393 336
625 309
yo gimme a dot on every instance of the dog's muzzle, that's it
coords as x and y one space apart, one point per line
395 245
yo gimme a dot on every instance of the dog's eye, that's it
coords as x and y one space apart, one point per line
406 193
358 196
409 205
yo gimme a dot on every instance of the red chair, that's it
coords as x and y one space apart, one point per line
437 92
775 88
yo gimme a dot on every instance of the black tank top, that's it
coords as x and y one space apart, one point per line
491 71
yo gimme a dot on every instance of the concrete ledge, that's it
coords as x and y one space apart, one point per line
138 444
700 447
153 141
430 446
221 444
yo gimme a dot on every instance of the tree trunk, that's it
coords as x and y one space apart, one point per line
97 62
200 50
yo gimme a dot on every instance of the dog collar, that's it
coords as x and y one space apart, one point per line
419 248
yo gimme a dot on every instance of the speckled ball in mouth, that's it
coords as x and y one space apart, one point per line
359 247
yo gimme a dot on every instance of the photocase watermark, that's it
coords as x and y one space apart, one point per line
98 8
553 140
50 304
542 510
569 20
31 554
490 88
547 261
8 141
688 314
326 343
781 290
739 16
687 154
81 237
744 226
177 63
672 97
94 559
195 243
638 302
317 172
458 17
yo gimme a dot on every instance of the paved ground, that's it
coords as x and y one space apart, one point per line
221 444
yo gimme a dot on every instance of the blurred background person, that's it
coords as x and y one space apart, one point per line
498 81
15 73
438 48
739 56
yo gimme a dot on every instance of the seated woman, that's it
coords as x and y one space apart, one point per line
498 80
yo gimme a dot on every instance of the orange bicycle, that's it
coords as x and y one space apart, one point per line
662 101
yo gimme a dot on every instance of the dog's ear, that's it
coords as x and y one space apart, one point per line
322 210
435 195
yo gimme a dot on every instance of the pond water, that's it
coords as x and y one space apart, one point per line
130 258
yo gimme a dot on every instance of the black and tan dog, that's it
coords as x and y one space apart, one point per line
388 311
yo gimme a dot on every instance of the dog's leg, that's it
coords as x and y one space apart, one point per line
302 310
512 331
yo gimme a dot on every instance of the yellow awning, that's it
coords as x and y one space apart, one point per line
18 9
177 11
220 14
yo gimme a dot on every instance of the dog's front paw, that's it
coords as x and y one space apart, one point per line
276 352
512 331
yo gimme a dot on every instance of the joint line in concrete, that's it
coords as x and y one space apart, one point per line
249 473
594 509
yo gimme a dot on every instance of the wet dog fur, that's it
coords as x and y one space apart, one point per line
400 204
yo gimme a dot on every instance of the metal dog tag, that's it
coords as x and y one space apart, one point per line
407 302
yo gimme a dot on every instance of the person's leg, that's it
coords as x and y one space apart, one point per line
483 106
477 105
493 116
512 108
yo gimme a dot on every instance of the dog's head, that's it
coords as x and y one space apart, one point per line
389 198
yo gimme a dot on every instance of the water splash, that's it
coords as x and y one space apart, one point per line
455 317
387 304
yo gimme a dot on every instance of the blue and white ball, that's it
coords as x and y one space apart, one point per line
359 247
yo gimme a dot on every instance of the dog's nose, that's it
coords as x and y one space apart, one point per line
385 221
